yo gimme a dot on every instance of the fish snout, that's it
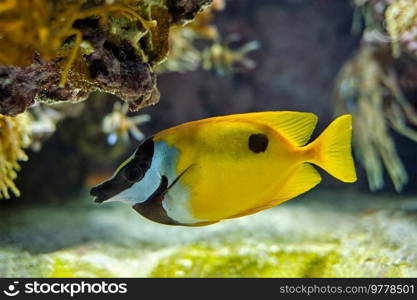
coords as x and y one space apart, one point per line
98 194
110 188
102 192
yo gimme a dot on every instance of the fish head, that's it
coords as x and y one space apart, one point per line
134 181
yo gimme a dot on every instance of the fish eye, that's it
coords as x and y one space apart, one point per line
133 174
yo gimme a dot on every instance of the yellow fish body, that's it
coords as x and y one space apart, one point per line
205 171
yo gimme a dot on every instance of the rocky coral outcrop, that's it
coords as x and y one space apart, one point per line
91 47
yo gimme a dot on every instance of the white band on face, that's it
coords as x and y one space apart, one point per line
143 190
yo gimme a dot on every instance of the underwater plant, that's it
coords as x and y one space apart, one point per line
14 137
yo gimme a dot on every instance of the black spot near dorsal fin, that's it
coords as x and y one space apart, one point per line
258 143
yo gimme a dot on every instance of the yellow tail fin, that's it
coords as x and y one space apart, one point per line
332 150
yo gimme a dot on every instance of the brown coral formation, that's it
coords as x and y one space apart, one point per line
64 50
217 56
183 11
183 54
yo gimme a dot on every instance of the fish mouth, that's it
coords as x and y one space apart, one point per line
98 199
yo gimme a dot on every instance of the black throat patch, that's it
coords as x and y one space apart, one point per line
258 143
152 208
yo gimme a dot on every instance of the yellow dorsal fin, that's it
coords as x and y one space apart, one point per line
297 127
304 179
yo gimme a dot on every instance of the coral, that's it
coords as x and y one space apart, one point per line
223 60
183 11
389 22
202 23
44 120
218 56
183 54
370 89
378 86
14 136
117 125
401 20
19 86
45 25
54 51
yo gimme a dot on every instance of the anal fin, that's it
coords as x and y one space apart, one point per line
198 224
250 211
303 179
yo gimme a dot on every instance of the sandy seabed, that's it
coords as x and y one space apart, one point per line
321 234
